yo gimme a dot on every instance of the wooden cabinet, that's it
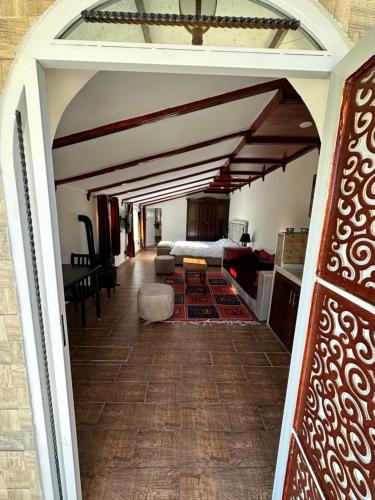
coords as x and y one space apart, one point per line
284 307
207 218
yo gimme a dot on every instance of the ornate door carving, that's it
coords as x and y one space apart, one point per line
333 446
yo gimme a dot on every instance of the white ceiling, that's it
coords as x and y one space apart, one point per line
114 96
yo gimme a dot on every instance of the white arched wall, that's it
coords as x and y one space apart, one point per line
39 50
62 86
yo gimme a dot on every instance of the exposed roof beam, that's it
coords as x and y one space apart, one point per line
145 28
191 183
182 109
168 198
166 154
277 39
248 172
163 172
174 179
257 161
295 156
173 190
269 139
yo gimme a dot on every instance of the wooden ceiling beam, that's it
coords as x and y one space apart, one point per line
163 172
235 172
277 39
167 198
192 184
258 161
272 140
190 107
147 159
175 179
171 191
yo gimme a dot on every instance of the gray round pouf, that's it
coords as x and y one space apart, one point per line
155 302
164 264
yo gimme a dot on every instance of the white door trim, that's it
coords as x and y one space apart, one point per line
40 48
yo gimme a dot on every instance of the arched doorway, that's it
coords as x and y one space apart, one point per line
46 52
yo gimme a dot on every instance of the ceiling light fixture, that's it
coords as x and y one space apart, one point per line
305 124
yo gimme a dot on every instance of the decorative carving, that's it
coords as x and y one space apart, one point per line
348 248
336 418
300 483
193 21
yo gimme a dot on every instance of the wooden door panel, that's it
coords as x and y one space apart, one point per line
335 417
301 484
348 249
334 421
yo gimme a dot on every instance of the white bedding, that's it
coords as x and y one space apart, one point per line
202 248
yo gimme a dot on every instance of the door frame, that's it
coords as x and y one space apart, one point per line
41 50
344 69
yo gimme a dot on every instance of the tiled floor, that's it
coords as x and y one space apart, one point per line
174 411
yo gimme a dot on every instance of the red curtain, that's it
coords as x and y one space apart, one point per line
115 226
104 229
130 248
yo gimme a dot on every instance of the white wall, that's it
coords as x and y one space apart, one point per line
281 201
70 203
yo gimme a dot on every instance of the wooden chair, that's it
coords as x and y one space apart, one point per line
83 290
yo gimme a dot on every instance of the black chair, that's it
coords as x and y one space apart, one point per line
83 290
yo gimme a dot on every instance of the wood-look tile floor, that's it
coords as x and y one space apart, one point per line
173 411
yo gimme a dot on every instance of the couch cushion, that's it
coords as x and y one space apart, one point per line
234 253
264 255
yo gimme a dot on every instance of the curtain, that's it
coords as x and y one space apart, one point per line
130 248
104 229
115 226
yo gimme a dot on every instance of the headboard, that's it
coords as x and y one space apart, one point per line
235 229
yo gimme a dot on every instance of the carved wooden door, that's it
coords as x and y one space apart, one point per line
332 446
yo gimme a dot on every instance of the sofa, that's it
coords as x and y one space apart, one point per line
250 272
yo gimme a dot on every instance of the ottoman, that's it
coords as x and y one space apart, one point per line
164 247
155 302
164 264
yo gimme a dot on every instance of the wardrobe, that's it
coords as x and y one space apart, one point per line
207 218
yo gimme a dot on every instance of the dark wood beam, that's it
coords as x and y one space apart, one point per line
169 198
234 172
134 163
258 161
269 139
300 153
295 156
145 28
174 179
192 184
277 39
182 109
141 198
163 172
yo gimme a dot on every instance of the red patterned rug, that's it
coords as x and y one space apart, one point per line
217 300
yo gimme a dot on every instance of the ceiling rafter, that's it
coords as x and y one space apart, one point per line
163 172
172 196
182 109
171 190
191 183
174 179
261 118
147 159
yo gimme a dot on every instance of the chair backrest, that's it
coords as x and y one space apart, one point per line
80 259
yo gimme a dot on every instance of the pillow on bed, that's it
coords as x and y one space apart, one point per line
227 242
236 253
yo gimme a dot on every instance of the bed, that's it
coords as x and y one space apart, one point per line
211 251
